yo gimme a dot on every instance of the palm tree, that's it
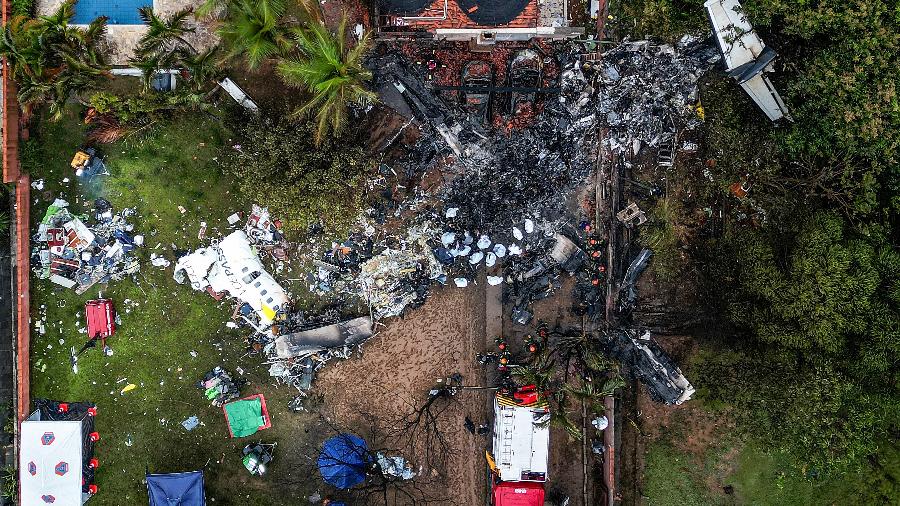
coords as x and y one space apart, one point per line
50 59
331 71
164 36
209 7
255 28
201 67
164 46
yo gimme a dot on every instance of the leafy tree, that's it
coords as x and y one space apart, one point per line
277 164
255 28
831 292
822 305
331 71
50 59
844 94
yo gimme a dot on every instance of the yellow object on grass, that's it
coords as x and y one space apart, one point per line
80 159
129 387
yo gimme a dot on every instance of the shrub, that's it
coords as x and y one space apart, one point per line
278 164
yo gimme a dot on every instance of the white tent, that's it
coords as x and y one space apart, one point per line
50 460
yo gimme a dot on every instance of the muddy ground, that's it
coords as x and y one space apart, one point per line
409 354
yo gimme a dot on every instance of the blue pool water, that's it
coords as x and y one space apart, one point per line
119 12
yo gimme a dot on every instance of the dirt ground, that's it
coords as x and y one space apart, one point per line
403 361
409 354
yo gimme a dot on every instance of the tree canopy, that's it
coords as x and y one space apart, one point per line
278 164
821 302
51 59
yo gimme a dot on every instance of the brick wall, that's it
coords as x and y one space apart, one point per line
12 174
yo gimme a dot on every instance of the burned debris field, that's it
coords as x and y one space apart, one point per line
451 252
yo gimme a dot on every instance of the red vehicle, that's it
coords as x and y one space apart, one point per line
101 318
521 447
521 493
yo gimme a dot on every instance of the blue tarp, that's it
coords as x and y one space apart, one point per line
176 489
344 461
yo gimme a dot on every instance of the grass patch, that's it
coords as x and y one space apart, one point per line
772 479
169 334
661 236
672 477
675 476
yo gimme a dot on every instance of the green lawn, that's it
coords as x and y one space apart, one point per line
169 334
674 477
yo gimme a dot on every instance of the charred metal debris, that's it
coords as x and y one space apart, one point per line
508 212
80 250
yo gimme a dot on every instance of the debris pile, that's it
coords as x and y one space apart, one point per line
628 289
646 90
399 276
294 357
218 387
648 363
79 251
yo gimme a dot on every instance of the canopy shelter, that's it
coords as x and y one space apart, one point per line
247 416
55 454
344 461
176 489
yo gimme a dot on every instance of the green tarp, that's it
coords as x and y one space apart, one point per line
244 417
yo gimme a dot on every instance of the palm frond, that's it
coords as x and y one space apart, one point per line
61 17
331 72
95 31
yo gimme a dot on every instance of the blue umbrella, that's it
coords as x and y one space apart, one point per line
344 461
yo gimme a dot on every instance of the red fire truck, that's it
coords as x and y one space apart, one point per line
520 448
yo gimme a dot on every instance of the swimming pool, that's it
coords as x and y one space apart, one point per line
119 12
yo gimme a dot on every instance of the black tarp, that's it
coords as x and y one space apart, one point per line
403 7
493 12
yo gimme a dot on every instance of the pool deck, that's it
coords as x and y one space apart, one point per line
122 40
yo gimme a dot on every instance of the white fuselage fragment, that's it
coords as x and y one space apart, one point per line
747 59
233 267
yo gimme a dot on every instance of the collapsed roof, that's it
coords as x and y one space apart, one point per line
483 21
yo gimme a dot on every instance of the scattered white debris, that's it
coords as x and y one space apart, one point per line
448 238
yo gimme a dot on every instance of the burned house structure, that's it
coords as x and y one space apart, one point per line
479 22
